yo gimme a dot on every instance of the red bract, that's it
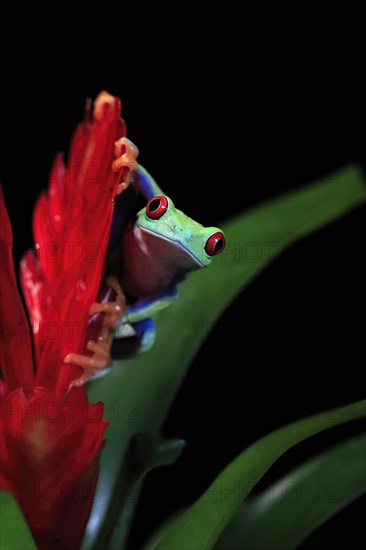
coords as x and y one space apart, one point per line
50 461
71 230
16 363
50 437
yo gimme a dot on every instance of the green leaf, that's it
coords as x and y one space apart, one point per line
153 451
163 529
202 524
138 392
146 452
14 531
288 511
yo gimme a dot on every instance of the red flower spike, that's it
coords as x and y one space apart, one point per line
50 438
49 447
46 448
71 230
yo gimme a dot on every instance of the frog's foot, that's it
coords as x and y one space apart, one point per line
100 359
126 154
92 366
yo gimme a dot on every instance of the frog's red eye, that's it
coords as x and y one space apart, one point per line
215 244
156 207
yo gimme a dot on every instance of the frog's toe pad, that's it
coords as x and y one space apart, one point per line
126 154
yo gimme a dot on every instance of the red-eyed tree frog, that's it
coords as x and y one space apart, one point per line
150 252
157 250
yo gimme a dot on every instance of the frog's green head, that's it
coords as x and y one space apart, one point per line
179 233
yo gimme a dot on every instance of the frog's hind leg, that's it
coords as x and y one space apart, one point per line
133 339
138 318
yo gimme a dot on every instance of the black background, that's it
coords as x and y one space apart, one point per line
224 121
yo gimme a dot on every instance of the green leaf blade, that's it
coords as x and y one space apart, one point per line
138 392
295 506
14 531
201 525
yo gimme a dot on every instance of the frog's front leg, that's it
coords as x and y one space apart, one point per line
99 360
138 317
148 307
146 183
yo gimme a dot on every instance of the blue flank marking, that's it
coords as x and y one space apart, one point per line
142 326
146 332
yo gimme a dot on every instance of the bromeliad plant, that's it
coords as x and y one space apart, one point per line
51 436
